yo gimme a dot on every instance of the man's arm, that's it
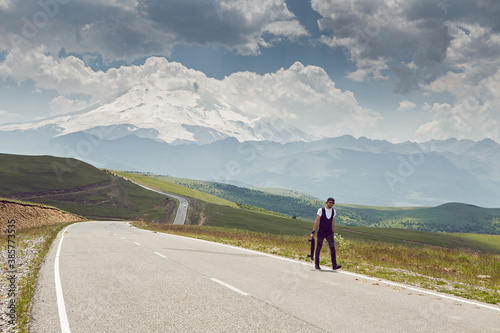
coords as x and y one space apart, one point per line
316 223
333 224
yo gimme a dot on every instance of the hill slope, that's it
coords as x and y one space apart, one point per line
449 217
28 215
79 188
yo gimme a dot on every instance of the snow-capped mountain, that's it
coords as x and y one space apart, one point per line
188 131
184 115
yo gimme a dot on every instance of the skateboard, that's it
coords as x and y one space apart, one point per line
312 249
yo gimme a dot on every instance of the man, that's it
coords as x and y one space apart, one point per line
325 219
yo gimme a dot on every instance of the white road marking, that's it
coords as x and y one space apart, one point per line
63 318
161 255
230 287
137 243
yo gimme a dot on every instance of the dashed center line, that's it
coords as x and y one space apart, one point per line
161 255
137 243
230 287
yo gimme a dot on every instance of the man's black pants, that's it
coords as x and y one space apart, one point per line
331 243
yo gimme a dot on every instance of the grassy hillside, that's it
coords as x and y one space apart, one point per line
290 203
79 188
415 238
33 174
451 217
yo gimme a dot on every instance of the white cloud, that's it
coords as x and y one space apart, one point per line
303 95
474 54
6 4
474 116
64 75
430 47
406 105
6 116
286 28
61 105
475 84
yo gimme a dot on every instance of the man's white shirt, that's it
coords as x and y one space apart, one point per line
328 212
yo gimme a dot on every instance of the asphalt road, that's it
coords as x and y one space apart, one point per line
180 216
111 277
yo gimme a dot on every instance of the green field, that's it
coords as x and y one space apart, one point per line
32 174
450 217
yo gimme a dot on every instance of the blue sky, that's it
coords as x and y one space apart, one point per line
385 69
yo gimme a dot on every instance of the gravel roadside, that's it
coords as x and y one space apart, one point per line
11 281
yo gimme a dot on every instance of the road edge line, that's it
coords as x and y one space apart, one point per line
63 318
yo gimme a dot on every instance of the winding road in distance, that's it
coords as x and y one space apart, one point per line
112 277
180 217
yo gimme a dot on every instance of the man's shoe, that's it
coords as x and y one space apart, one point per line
317 267
337 267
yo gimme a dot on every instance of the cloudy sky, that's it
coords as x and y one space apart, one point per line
385 69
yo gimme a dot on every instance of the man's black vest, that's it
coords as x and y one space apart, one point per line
325 224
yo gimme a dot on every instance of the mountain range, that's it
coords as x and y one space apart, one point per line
189 133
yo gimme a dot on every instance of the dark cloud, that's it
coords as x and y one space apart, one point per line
121 30
198 21
407 79
79 27
412 39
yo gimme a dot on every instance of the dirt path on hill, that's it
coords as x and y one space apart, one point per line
63 192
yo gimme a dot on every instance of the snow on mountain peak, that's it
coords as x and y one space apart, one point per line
179 115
